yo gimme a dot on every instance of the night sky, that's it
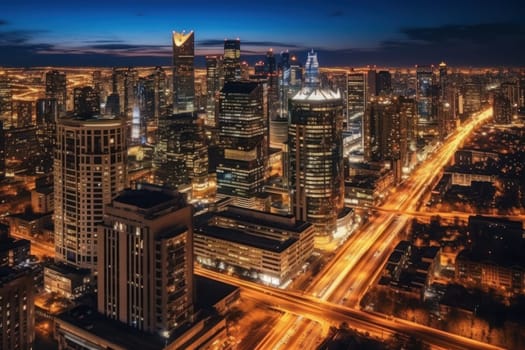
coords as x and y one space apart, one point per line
349 33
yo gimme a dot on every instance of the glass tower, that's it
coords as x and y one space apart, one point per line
183 72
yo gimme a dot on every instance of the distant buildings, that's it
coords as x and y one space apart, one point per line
315 153
145 266
183 72
90 169
214 83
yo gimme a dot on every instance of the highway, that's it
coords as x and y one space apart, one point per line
359 261
327 314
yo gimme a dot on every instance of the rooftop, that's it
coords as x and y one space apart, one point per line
241 237
239 87
317 95
147 197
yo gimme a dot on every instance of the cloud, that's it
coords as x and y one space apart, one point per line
3 22
476 33
103 41
266 44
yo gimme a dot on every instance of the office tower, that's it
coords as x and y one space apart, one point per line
424 98
2 150
23 111
113 104
145 267
17 309
124 81
443 80
243 141
89 170
383 83
389 131
471 98
232 60
356 98
183 72
56 87
502 108
183 153
214 83
316 153
371 82
86 101
5 96
153 101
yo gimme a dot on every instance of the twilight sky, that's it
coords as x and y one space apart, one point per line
344 32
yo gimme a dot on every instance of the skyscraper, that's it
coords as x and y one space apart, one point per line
424 94
243 141
214 83
383 83
56 87
356 95
502 108
183 72
89 170
86 101
145 267
316 153
232 60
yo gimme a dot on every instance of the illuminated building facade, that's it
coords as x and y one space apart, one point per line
232 60
383 83
316 153
264 246
356 97
243 142
471 98
56 87
89 170
86 101
183 72
17 310
502 108
183 153
424 93
145 267
23 112
214 83
46 119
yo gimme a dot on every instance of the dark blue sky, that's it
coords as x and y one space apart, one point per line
345 32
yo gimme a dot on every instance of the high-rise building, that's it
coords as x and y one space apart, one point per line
17 309
316 153
5 96
86 101
471 98
502 108
424 94
183 153
183 72
383 83
356 94
243 141
386 128
89 170
232 60
214 83
145 267
56 87
153 101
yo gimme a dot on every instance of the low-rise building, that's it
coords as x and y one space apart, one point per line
260 245
66 280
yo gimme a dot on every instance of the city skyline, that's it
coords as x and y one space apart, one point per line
344 33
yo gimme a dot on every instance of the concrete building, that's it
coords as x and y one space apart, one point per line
145 266
89 170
